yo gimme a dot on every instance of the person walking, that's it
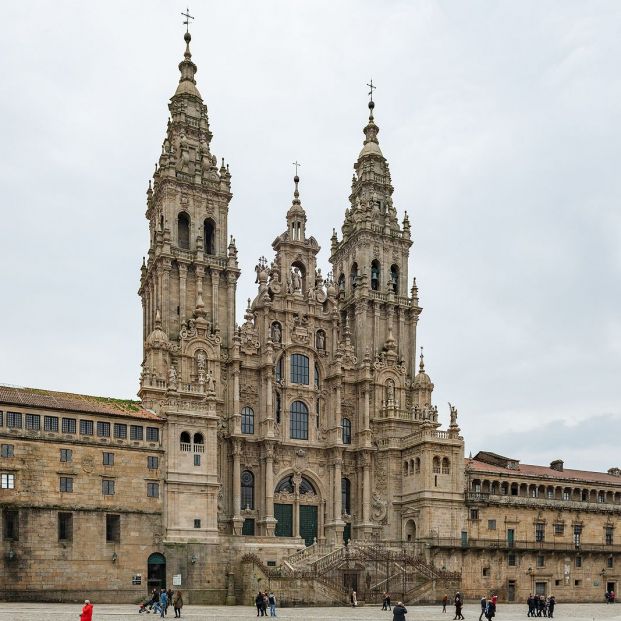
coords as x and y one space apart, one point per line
388 600
458 605
87 611
354 600
483 607
177 604
271 600
258 600
384 606
444 602
551 604
163 603
399 612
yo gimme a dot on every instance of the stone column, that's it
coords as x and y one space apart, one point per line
237 519
232 279
376 323
366 488
215 283
166 268
183 274
270 521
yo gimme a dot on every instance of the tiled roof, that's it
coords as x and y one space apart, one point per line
544 472
50 399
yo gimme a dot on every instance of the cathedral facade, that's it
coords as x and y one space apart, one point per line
301 450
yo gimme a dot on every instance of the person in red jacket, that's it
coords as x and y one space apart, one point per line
87 611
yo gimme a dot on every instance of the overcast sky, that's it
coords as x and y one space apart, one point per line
502 125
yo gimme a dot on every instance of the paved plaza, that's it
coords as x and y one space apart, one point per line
111 612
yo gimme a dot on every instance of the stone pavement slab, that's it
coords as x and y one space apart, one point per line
10 611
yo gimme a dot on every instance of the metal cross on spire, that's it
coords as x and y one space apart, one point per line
188 17
297 165
370 85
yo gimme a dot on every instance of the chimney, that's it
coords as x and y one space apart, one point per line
557 464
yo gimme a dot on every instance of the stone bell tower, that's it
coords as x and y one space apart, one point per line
188 286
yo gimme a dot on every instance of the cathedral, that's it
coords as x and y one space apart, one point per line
300 451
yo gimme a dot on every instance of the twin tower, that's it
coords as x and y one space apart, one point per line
296 424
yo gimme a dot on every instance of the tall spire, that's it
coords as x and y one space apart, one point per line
187 83
296 216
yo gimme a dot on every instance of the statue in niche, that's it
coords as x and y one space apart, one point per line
296 280
211 384
390 391
321 340
276 333
201 361
172 377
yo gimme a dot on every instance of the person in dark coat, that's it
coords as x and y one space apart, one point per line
483 607
459 602
399 612
258 600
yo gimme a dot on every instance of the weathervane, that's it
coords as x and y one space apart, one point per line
370 85
188 17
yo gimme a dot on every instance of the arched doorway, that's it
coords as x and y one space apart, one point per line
156 571
410 530
296 509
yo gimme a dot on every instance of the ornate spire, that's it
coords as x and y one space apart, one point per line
296 216
187 83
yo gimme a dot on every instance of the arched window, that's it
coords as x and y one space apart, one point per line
209 236
299 421
185 441
436 465
346 427
405 469
247 420
394 278
183 230
299 369
285 485
341 283
278 369
353 276
161 223
417 465
306 487
375 275
446 466
247 490
346 495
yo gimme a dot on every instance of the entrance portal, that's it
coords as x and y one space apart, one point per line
308 523
156 571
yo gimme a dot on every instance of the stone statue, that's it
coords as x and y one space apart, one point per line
453 415
321 340
276 333
211 384
390 391
296 280
201 360
172 377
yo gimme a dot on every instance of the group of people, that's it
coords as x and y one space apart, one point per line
386 601
541 606
488 607
610 597
160 600
263 601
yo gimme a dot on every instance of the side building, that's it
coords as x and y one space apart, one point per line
80 495
536 529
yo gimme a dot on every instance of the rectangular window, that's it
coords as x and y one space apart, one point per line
120 431
474 514
601 498
1 418
103 429
577 534
113 528
66 484
7 480
197 523
69 425
486 572
610 562
7 450
511 560
14 420
153 490
33 422
566 495
578 561
540 532
153 434
65 526
136 432
108 459
540 560
153 463
559 529
10 525
197 460
66 455
609 535
86 427
550 493
491 524
50 423
540 588
299 369
107 487
577 582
